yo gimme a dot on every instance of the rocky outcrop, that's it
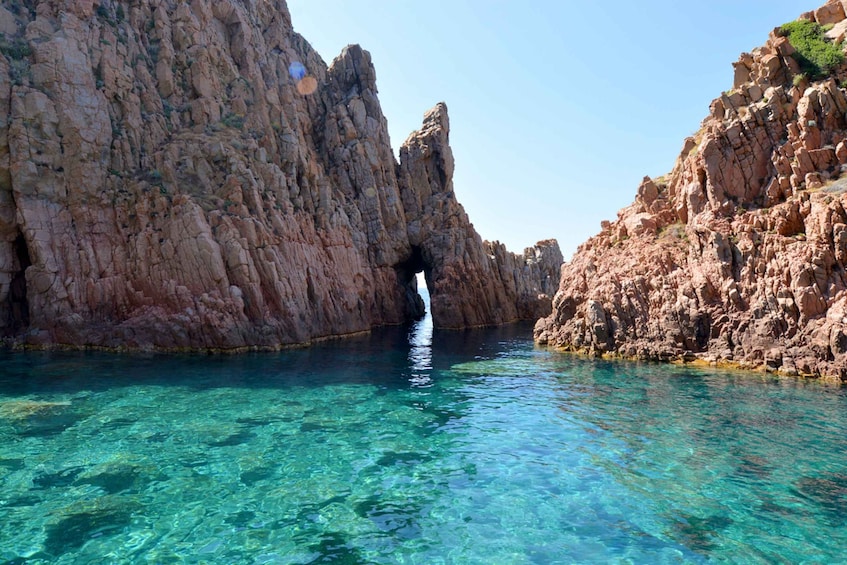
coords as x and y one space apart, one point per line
739 254
471 282
193 175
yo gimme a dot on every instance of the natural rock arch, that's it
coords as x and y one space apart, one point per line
407 272
472 282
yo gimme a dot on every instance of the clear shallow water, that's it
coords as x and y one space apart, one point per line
476 448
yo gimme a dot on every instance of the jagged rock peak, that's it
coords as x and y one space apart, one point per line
430 146
437 120
739 254
473 282
193 175
353 69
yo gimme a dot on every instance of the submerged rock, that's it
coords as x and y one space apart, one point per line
739 254
193 175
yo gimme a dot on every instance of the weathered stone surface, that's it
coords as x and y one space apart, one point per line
169 179
740 255
472 282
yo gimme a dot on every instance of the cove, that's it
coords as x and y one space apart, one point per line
408 446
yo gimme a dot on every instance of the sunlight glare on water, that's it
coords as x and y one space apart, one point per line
420 341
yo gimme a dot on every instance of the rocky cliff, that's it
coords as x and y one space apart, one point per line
739 254
193 175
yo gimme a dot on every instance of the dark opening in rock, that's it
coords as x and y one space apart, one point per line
406 273
18 305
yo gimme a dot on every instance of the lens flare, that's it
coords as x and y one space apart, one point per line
296 70
307 85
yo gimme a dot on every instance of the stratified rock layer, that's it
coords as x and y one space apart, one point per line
167 180
739 254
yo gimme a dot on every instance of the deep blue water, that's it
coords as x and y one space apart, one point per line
469 447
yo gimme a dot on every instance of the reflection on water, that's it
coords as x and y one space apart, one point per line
420 340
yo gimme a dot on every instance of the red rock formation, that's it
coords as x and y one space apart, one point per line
739 254
168 179
472 282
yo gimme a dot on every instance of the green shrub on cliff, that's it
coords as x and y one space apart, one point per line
14 48
815 53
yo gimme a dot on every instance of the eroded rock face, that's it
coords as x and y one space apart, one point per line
167 179
472 282
740 253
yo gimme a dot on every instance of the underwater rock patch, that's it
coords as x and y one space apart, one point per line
237 438
84 521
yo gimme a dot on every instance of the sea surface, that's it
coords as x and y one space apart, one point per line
407 447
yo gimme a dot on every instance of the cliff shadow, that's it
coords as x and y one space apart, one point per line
16 305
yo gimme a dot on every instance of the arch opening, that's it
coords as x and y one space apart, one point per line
415 276
416 307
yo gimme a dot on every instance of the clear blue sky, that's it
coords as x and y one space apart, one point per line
557 108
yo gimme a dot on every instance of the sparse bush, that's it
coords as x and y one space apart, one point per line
14 48
815 53
103 14
20 72
799 79
233 121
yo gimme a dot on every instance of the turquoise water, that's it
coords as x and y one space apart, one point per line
471 447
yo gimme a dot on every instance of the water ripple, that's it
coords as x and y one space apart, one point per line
414 447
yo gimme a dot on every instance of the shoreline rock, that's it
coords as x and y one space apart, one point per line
739 254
